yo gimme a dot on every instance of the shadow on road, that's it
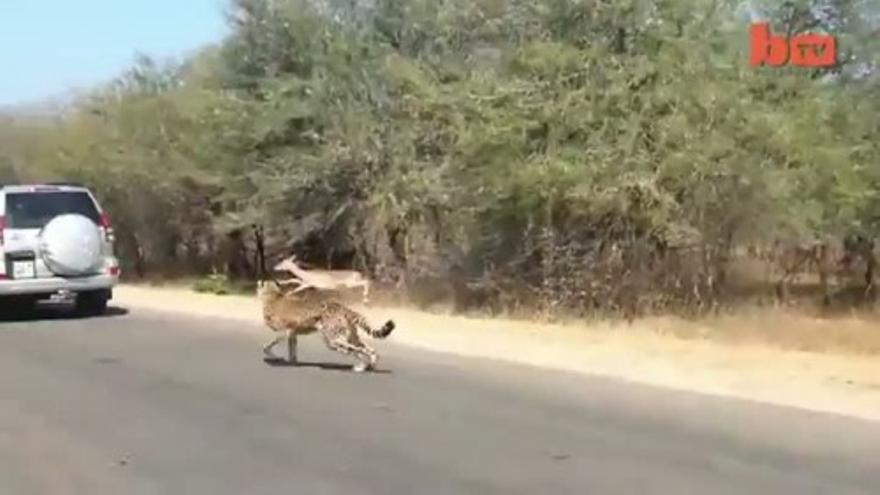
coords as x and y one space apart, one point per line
282 363
50 312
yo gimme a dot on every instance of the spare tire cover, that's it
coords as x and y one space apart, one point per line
70 245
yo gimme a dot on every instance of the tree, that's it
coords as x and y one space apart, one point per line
601 155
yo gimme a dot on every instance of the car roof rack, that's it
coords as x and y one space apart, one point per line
63 183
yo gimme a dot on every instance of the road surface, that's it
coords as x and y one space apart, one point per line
152 403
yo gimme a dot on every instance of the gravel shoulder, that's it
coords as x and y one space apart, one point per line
645 352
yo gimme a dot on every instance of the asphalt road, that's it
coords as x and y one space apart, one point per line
149 403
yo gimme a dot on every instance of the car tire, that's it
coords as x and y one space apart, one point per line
92 303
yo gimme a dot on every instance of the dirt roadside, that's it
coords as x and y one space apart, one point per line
643 353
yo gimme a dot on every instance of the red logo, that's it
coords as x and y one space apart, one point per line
805 50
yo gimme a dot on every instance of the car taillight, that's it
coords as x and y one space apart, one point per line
2 228
108 227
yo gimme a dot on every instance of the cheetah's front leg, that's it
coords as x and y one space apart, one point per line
291 347
267 349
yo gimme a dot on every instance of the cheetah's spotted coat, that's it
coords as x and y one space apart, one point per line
290 316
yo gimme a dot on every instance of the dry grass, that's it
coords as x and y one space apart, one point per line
793 330
799 327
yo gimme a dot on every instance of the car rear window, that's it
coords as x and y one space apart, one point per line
35 210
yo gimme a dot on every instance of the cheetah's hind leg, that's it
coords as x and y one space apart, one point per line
369 357
366 357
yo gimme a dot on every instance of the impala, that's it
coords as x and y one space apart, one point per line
324 279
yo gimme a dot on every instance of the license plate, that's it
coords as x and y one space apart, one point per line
23 269
59 297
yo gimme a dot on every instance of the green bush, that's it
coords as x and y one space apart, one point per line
216 283
589 154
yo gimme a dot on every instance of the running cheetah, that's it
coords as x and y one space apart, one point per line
307 313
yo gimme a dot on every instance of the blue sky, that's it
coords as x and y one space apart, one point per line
49 47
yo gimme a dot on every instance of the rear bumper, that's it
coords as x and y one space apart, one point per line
56 284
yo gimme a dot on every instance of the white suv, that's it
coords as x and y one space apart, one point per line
55 240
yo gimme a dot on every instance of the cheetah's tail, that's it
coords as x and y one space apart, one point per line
384 331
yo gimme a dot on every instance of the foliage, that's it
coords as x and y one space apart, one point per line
215 283
590 152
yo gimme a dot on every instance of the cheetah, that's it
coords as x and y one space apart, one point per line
290 316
